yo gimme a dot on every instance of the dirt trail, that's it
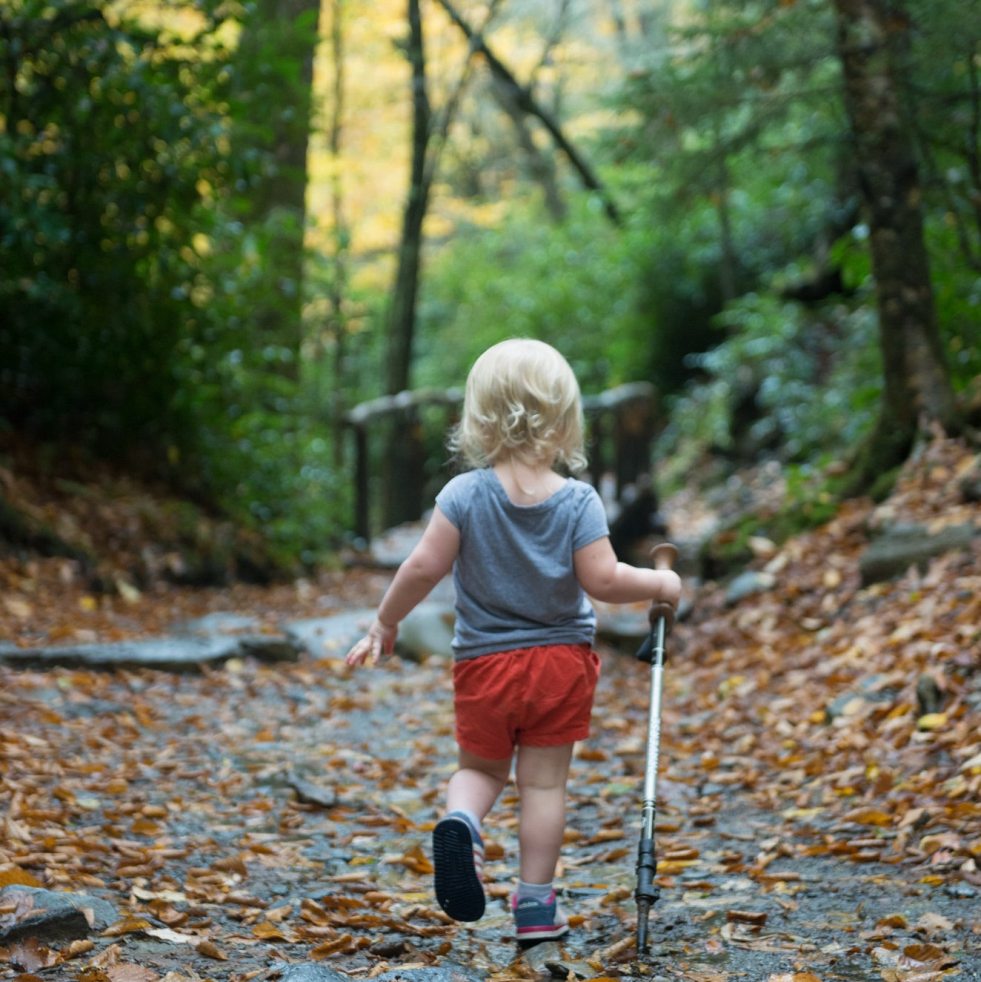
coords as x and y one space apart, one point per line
817 820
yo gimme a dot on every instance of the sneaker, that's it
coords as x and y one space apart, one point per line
538 920
458 860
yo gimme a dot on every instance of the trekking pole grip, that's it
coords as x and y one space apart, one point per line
664 556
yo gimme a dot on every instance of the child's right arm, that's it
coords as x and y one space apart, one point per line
605 578
427 564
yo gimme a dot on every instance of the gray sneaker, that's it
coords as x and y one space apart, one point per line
538 920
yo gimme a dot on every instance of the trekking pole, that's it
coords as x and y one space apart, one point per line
652 651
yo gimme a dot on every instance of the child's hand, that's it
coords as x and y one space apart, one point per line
665 602
380 640
669 588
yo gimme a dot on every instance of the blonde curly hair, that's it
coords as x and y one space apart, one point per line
522 400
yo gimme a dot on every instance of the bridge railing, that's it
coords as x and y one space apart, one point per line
405 434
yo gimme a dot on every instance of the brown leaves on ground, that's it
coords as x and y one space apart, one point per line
810 814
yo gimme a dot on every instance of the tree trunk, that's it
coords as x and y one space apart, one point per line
917 391
402 453
402 316
340 235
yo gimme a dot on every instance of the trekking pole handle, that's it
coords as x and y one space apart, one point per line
664 556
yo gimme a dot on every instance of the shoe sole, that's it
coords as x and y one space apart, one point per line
527 939
458 888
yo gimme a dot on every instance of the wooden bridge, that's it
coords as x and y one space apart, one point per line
401 458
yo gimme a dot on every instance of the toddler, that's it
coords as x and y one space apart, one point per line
527 547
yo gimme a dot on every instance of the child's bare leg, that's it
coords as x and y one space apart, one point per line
458 849
476 784
541 775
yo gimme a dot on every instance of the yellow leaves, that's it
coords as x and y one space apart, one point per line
145 826
16 875
415 859
869 816
267 931
345 944
932 721
127 925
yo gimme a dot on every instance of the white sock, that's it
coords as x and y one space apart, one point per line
471 818
534 891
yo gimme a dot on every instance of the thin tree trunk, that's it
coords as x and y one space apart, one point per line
403 490
403 310
341 234
917 390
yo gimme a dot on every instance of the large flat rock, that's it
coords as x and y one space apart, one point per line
50 915
170 654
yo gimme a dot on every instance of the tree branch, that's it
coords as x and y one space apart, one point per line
527 103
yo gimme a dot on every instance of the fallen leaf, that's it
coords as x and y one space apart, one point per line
128 925
210 950
175 937
924 952
92 973
268 932
753 917
327 948
31 954
129 972
76 948
868 816
930 924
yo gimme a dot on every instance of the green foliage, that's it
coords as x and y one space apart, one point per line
133 267
741 122
105 144
574 285
801 383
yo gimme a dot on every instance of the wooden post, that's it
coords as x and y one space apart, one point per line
362 497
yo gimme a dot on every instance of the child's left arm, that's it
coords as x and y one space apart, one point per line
426 565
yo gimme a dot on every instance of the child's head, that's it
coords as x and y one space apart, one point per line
522 400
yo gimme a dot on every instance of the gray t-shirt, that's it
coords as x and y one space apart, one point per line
515 582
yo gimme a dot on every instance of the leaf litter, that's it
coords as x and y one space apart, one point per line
814 822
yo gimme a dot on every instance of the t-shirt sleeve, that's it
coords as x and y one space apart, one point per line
450 501
592 524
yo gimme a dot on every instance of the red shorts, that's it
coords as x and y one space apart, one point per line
536 697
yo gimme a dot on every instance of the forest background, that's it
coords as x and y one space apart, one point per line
224 224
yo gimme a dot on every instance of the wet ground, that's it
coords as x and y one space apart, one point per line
177 797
